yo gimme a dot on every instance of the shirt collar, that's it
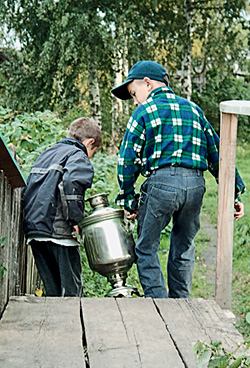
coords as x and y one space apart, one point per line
160 90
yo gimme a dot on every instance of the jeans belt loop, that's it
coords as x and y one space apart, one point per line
172 170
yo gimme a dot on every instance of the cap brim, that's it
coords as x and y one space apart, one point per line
121 91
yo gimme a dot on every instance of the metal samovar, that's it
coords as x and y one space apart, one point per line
109 244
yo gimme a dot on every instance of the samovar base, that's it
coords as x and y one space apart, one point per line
126 291
120 288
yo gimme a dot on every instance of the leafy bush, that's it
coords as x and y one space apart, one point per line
214 355
30 133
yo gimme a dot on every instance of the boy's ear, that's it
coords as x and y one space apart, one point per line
146 79
149 83
88 142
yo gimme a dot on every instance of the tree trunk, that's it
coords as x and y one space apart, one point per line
119 108
94 95
186 84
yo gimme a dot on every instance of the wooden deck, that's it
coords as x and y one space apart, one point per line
109 333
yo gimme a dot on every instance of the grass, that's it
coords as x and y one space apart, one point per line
241 249
205 265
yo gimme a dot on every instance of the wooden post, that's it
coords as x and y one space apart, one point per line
228 141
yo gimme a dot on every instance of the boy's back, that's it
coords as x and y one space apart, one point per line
50 184
54 205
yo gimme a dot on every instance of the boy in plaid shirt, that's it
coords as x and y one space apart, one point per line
168 140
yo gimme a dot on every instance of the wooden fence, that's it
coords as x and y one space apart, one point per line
18 271
228 142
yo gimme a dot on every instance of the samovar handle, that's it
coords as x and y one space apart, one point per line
128 224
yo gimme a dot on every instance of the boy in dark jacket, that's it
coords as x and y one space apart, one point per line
54 205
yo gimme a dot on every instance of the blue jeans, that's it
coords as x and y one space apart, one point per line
177 193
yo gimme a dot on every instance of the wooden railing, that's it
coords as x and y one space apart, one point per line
228 141
18 271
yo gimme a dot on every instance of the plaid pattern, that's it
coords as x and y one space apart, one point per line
166 130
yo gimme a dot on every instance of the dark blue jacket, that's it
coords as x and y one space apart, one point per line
54 196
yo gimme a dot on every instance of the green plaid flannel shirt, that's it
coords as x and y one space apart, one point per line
166 130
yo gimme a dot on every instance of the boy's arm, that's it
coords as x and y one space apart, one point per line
77 177
129 163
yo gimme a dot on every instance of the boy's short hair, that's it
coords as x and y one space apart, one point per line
85 128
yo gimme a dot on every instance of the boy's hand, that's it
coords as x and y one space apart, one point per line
77 229
131 216
239 210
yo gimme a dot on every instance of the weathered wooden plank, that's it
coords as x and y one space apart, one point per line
108 344
41 332
13 245
5 220
213 320
23 264
238 107
127 333
228 142
181 326
146 328
18 236
13 254
31 276
191 320
1 215
131 332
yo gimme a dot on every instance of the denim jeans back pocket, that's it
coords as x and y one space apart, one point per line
161 201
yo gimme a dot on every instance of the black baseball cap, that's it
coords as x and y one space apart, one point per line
142 69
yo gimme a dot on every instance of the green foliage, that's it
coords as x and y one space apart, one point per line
30 133
219 88
58 40
94 284
3 268
105 173
3 271
204 269
104 179
215 356
4 241
241 269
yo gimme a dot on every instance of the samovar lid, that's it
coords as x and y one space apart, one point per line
101 212
98 200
